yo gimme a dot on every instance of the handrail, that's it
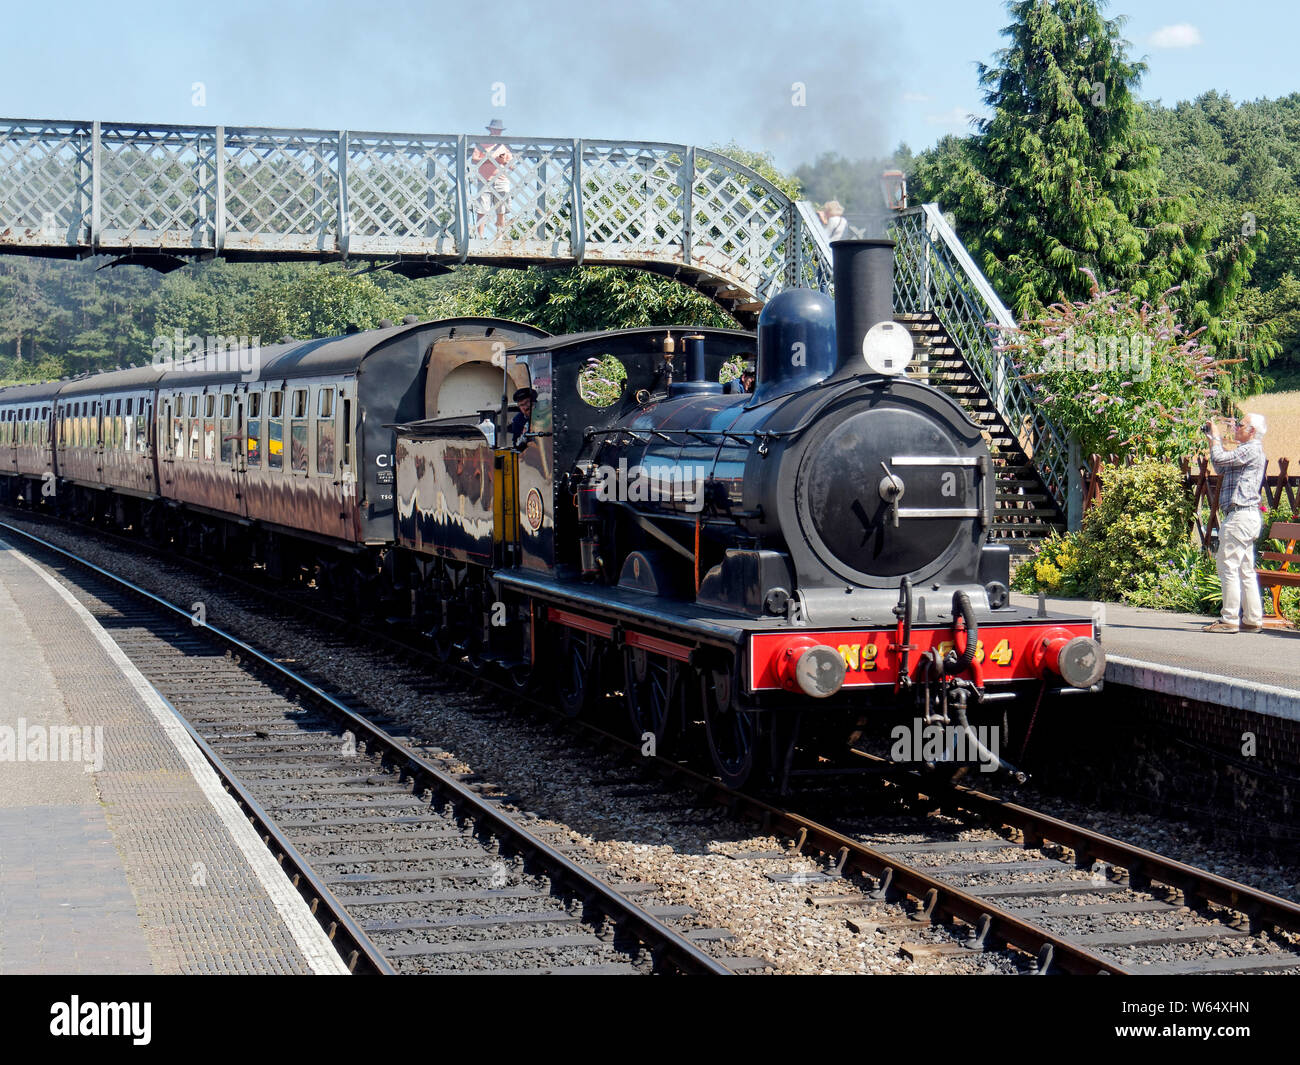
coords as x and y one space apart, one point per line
935 273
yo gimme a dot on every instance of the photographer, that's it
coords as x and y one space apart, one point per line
1242 477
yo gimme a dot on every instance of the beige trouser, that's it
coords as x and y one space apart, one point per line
1237 535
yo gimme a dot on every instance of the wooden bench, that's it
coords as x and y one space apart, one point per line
1276 579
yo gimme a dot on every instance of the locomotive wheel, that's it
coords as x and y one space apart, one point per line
444 645
733 734
652 689
575 669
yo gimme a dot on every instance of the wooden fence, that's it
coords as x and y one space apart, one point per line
1280 489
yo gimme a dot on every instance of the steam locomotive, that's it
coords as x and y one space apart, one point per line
759 571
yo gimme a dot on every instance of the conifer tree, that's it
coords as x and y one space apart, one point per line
1054 181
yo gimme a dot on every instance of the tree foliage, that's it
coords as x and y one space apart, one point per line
592 297
1063 184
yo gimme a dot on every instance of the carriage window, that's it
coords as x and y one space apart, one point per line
325 432
209 427
142 427
229 429
298 430
178 427
254 449
275 431
196 427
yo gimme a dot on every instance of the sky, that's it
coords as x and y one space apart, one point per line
791 78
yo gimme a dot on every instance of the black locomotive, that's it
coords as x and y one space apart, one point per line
763 570
776 565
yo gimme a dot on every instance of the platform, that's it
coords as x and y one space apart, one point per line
119 850
1161 651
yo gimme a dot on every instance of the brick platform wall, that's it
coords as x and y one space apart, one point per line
1134 749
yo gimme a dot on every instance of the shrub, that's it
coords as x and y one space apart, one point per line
1141 521
1188 582
1120 375
1133 545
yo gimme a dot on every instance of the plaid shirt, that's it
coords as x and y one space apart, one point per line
1242 472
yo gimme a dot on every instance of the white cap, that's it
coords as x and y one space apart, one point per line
1257 422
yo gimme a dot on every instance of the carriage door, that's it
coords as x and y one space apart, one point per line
168 439
232 446
349 512
98 431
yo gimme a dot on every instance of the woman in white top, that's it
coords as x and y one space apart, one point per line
832 216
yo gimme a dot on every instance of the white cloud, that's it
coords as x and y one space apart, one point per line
916 98
954 117
1180 35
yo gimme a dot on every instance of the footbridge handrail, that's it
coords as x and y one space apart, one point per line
936 273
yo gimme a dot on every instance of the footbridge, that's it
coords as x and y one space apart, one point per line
161 195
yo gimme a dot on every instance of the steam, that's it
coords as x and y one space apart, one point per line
677 70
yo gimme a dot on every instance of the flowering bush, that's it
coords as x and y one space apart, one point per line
1058 568
1121 375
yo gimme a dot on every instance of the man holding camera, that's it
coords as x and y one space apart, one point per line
1241 473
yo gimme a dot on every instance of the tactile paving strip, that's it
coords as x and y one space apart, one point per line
200 907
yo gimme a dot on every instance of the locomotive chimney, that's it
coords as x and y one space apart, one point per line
696 381
864 296
695 358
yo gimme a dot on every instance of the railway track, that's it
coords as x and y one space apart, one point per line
1062 898
1145 912
409 869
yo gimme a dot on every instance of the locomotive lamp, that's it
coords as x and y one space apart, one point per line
887 348
893 184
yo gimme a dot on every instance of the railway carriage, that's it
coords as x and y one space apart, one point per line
105 443
27 462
